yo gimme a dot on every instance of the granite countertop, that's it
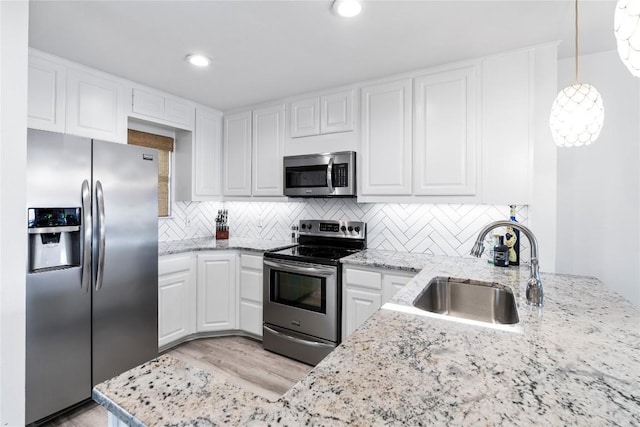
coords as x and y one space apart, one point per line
575 361
212 244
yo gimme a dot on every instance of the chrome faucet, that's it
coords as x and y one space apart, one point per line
534 284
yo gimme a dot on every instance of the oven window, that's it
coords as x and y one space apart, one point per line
306 176
297 290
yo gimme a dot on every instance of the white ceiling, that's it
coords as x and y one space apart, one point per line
264 50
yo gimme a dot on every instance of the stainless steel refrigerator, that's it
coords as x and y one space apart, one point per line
92 269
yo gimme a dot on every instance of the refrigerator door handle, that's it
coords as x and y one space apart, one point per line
101 236
85 281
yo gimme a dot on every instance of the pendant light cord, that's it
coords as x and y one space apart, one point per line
576 77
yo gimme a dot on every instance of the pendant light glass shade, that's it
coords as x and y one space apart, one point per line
627 30
577 116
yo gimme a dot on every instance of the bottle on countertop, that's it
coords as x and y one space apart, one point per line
294 233
512 239
493 243
500 253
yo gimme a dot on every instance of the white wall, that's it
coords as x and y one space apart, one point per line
599 185
14 24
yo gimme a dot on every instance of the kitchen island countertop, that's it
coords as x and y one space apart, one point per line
212 244
575 361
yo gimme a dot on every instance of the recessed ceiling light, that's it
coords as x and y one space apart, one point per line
347 8
198 60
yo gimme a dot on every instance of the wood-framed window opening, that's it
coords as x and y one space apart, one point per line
164 145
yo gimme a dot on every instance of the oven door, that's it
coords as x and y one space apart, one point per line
302 297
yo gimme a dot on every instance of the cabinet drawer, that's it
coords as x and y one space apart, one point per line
251 261
363 278
168 264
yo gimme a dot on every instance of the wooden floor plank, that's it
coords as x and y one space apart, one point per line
240 360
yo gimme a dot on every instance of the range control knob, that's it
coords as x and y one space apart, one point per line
357 229
350 229
309 227
343 228
303 226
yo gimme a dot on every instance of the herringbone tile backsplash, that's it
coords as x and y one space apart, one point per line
423 228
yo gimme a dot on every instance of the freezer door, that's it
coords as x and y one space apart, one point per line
125 284
58 309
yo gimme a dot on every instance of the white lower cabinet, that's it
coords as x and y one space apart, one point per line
176 298
216 297
359 306
251 293
365 290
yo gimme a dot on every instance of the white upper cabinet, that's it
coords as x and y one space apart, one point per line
46 87
237 154
444 133
95 107
321 115
268 149
507 109
385 158
198 156
336 114
166 109
304 117
208 153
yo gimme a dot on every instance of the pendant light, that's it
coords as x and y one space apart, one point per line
627 30
577 113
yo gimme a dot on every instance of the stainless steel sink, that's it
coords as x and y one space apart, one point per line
469 299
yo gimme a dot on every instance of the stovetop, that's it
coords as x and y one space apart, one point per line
326 255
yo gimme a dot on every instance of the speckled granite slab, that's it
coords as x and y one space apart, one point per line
406 261
167 392
574 362
210 244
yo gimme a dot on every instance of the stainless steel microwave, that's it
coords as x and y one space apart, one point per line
320 175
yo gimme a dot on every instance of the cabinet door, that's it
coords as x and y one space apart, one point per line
216 292
386 139
359 306
176 299
304 117
179 112
507 105
46 97
268 148
392 283
444 142
148 104
251 293
95 107
336 112
207 154
237 154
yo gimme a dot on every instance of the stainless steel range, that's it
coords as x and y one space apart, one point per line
303 289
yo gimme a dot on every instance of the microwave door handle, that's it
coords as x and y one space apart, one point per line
85 281
330 175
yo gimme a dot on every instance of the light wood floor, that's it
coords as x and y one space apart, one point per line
241 360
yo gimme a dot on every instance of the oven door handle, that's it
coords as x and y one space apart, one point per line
295 339
325 272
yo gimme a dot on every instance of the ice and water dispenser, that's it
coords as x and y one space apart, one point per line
54 238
